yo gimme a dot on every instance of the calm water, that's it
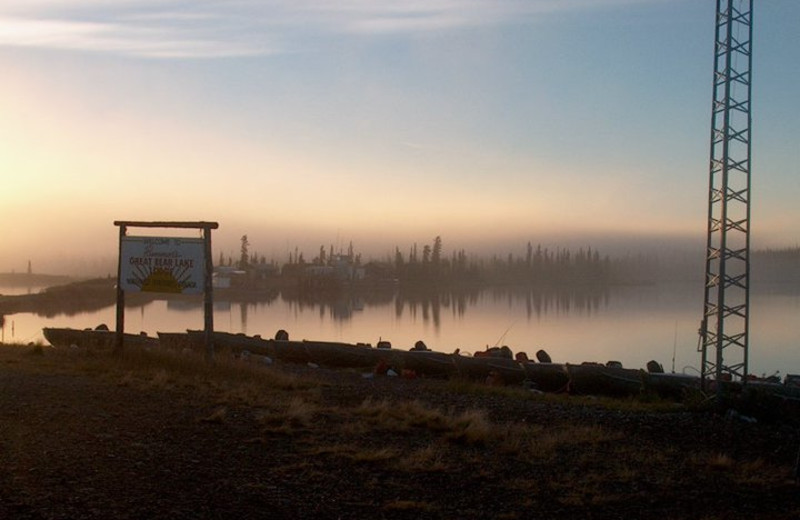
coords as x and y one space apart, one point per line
630 324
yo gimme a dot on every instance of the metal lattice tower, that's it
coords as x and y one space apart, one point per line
724 329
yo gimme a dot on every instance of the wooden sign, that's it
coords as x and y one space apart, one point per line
165 264
162 264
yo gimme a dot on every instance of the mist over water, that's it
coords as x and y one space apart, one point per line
100 257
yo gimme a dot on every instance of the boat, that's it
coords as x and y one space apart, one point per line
670 385
174 340
327 353
497 369
598 379
430 363
97 338
547 377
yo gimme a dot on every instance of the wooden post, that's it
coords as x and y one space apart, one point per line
119 337
209 296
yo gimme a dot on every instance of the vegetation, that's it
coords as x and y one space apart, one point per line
777 265
539 267
30 279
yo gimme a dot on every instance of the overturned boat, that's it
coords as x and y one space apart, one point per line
99 337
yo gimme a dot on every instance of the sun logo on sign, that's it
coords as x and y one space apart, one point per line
162 279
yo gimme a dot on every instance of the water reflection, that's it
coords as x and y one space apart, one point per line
339 304
413 302
427 304
537 301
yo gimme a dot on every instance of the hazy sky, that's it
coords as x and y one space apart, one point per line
309 122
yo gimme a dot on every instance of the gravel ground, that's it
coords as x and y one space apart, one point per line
77 444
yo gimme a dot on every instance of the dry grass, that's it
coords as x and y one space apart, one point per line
631 404
227 378
218 416
721 462
372 455
465 386
233 383
546 443
400 417
409 506
353 452
298 412
755 472
634 404
288 415
431 458
470 427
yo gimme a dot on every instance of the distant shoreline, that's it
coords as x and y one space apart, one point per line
30 279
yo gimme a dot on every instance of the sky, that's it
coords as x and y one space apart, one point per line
303 123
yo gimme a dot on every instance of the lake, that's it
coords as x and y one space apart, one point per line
629 324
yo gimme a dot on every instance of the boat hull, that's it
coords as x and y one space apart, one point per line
595 379
94 339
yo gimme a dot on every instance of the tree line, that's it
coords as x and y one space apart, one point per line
537 265
429 263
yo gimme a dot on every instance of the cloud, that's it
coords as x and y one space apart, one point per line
216 28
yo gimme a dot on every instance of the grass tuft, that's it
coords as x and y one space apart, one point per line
469 427
472 427
408 506
374 455
721 462
218 416
429 459
295 413
300 412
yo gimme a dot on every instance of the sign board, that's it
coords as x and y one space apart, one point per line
162 264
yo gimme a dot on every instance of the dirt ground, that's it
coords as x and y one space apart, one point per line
76 443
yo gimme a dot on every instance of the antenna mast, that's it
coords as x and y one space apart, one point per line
724 329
